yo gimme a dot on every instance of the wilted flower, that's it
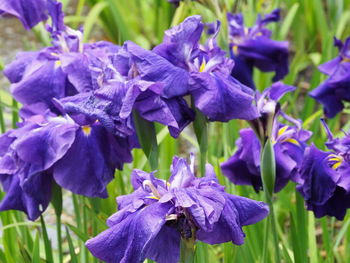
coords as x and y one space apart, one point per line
204 72
29 12
325 178
253 47
77 153
151 221
334 90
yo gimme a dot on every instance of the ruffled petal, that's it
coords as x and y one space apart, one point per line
128 241
180 41
221 98
154 68
30 12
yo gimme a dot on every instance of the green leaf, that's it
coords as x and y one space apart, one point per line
343 23
24 253
36 250
147 136
2 256
200 126
268 168
92 18
73 256
312 239
287 22
47 242
83 236
119 20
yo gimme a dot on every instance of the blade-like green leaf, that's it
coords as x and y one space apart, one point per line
92 18
73 256
147 136
83 236
47 242
36 250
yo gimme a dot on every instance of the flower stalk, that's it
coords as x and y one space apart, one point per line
268 175
187 253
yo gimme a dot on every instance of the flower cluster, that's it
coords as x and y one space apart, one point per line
79 99
160 213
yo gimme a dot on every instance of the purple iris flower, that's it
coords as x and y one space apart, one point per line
119 90
253 47
152 220
334 90
29 12
78 153
57 71
325 178
289 143
204 71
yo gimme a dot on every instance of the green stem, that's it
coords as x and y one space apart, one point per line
274 230
85 227
14 113
266 243
59 238
2 120
268 175
187 250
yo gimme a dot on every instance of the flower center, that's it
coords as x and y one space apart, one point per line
281 134
86 129
202 67
155 193
335 160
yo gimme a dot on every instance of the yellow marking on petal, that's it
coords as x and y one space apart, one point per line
291 140
153 197
246 30
235 50
54 54
86 129
58 63
337 159
345 59
282 130
202 67
336 165
259 34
